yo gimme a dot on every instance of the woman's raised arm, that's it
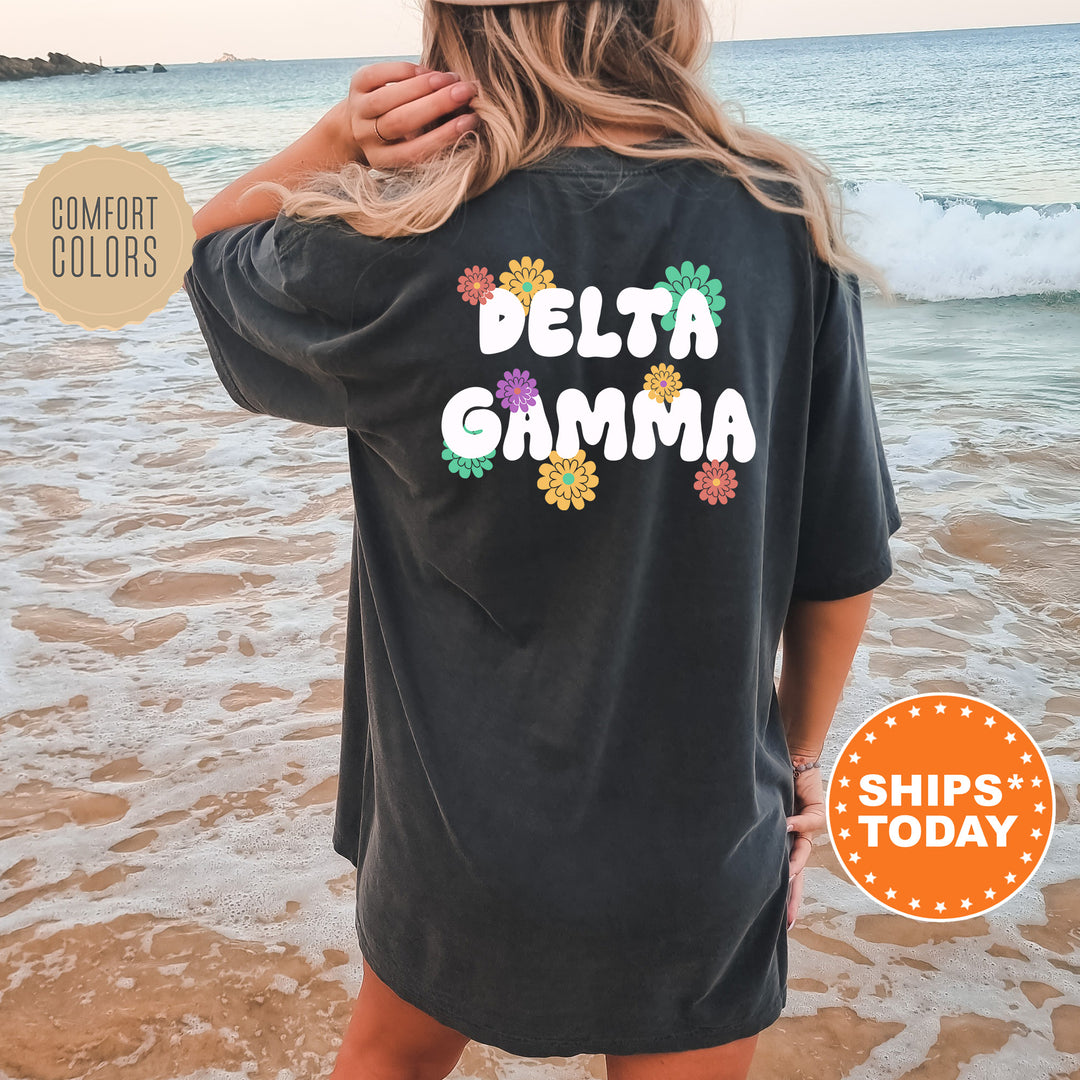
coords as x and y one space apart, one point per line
402 96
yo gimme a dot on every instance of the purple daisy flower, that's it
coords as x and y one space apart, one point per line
517 390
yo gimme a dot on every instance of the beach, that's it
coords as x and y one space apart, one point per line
175 589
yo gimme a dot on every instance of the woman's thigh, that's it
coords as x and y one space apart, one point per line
389 1039
728 1062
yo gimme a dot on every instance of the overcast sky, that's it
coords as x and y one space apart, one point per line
138 32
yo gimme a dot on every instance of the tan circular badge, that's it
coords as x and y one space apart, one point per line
103 237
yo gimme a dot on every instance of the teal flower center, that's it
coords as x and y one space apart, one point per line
526 286
568 478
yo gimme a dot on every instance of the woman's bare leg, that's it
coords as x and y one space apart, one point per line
389 1039
728 1062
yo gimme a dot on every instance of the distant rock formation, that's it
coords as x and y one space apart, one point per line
228 58
160 67
14 67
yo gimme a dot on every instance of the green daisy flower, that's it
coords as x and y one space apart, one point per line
688 276
466 466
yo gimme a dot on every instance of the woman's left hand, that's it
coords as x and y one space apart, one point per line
405 100
808 820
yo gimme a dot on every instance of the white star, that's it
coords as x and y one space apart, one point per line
841 807
870 879
1011 737
1039 808
913 903
1036 781
1026 857
914 710
939 906
854 856
844 781
939 708
965 711
844 834
870 736
1036 833
990 721
1025 758
965 903
990 894
1015 781
891 721
854 757
890 894
1010 878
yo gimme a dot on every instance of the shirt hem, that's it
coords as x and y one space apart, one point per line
213 344
841 589
566 1045
339 845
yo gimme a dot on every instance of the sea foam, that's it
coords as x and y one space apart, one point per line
934 247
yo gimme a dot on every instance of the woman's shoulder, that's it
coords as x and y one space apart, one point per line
770 177
534 207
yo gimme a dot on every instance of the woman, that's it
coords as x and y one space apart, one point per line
597 349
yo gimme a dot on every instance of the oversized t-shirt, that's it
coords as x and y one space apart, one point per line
603 425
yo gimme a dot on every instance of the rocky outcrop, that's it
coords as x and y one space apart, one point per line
228 58
14 67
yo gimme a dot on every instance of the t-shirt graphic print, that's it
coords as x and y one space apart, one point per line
529 303
603 425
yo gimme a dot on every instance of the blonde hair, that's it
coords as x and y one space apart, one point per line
552 71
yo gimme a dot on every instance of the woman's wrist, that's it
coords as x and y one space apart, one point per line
326 145
804 762
337 131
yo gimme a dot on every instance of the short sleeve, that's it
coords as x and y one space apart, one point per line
848 509
244 285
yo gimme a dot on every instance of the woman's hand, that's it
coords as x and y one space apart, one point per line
808 820
405 99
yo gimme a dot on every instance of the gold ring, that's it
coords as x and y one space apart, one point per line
379 133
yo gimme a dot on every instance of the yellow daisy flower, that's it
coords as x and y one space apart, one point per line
526 278
662 382
566 481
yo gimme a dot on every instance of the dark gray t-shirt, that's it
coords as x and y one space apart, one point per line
603 424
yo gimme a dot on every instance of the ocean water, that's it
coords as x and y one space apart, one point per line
175 570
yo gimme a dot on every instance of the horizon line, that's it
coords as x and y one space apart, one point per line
715 41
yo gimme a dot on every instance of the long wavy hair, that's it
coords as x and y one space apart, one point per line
553 71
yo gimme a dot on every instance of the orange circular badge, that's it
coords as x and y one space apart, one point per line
940 807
